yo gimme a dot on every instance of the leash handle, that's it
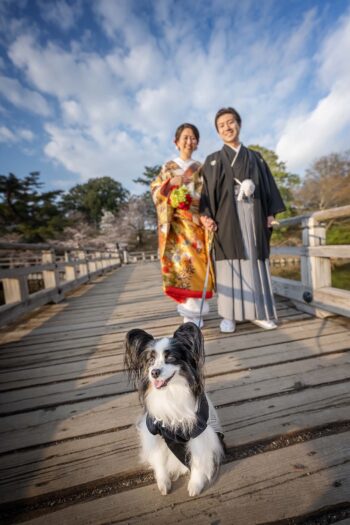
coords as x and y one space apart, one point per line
210 245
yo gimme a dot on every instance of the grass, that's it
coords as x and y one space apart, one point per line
340 273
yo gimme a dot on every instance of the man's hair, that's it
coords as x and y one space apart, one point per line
224 111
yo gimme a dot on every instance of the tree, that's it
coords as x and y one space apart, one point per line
326 183
35 216
150 173
134 224
287 182
96 195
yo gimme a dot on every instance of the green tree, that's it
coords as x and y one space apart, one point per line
150 173
287 182
36 216
95 196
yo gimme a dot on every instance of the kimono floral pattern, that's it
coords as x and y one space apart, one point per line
183 243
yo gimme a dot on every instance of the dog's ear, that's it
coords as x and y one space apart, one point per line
190 336
136 341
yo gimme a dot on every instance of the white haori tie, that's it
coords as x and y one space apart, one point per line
247 188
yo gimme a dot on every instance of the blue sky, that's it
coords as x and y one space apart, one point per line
97 87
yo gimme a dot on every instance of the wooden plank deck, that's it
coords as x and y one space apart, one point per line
69 450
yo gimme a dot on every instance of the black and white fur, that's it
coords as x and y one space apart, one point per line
168 373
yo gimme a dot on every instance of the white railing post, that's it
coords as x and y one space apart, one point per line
304 259
318 268
116 257
315 271
98 261
106 259
70 269
15 289
50 277
82 263
91 263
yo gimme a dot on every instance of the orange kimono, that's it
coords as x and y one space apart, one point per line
183 242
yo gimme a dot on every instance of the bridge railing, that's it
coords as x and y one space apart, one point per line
134 257
55 271
314 292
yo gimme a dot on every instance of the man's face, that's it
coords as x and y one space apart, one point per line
228 129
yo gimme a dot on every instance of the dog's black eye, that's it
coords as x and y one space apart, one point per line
169 358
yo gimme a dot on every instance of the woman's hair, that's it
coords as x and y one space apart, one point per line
224 111
184 126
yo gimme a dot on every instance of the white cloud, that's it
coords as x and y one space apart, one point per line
85 78
145 89
12 136
26 134
325 128
60 13
6 135
118 105
72 111
113 154
120 21
22 97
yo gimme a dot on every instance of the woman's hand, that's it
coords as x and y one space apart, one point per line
208 223
177 180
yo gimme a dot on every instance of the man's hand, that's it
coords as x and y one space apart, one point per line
271 221
208 223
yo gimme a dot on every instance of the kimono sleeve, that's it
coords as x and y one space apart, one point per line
206 198
161 188
275 203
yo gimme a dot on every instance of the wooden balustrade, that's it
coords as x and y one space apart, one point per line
134 257
314 292
62 270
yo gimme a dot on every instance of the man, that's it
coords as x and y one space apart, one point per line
239 201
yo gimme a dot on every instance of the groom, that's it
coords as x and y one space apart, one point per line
242 225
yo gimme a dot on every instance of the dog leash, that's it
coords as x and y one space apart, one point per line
210 246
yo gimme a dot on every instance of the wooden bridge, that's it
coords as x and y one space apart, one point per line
69 449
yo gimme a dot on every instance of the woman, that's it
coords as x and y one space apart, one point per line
239 201
183 242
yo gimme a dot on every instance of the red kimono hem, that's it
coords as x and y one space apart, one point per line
180 294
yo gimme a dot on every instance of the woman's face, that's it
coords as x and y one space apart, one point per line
228 129
187 142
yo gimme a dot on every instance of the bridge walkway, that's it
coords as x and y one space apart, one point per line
69 449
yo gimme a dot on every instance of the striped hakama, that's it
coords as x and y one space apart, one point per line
244 285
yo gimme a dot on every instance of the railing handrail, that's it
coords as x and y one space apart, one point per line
53 247
321 215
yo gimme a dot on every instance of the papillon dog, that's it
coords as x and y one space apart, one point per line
179 430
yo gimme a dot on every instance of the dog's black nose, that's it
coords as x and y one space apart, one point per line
155 373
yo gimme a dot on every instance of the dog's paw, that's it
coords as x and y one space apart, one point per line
194 487
164 486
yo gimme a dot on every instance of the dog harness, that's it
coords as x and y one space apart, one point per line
177 439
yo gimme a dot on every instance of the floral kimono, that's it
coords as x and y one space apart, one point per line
183 243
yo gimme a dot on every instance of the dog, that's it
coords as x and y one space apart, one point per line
179 430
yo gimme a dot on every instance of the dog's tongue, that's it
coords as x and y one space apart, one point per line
158 383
